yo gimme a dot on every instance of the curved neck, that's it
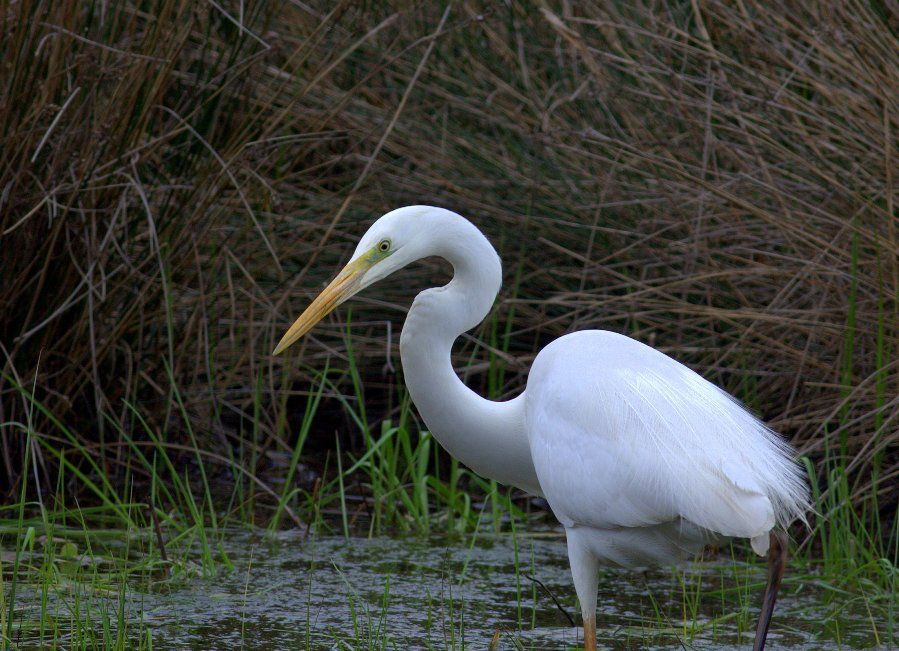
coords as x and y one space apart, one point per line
489 437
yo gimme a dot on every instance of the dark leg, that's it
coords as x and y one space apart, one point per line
777 562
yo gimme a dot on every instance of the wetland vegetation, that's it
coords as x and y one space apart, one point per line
177 179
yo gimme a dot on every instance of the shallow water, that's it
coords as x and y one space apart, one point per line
292 592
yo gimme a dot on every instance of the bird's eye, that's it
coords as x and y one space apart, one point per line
384 246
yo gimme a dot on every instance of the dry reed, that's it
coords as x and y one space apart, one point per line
715 178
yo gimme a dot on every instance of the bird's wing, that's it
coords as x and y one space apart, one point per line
624 436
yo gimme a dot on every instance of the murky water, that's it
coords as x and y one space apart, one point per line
291 592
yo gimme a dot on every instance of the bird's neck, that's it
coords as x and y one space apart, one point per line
487 436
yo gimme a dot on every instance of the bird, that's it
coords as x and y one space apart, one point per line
641 460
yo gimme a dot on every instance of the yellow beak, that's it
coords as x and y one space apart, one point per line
345 285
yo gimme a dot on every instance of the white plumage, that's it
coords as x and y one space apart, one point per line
659 444
641 459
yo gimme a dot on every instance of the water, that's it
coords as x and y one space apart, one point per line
290 592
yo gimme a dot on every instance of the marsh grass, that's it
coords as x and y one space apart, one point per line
717 182
175 183
86 588
73 576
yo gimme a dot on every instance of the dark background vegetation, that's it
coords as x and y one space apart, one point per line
177 179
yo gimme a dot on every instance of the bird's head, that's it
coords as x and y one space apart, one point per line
393 241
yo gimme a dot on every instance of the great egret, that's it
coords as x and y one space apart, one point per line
641 459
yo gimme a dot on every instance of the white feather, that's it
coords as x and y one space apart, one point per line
622 435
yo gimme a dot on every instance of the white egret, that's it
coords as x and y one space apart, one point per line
641 460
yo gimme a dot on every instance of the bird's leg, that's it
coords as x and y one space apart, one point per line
777 562
583 570
590 632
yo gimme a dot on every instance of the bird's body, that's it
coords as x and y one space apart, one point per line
662 446
641 459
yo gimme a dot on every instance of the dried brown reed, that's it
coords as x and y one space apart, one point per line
715 178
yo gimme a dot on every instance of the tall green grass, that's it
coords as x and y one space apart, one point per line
167 529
